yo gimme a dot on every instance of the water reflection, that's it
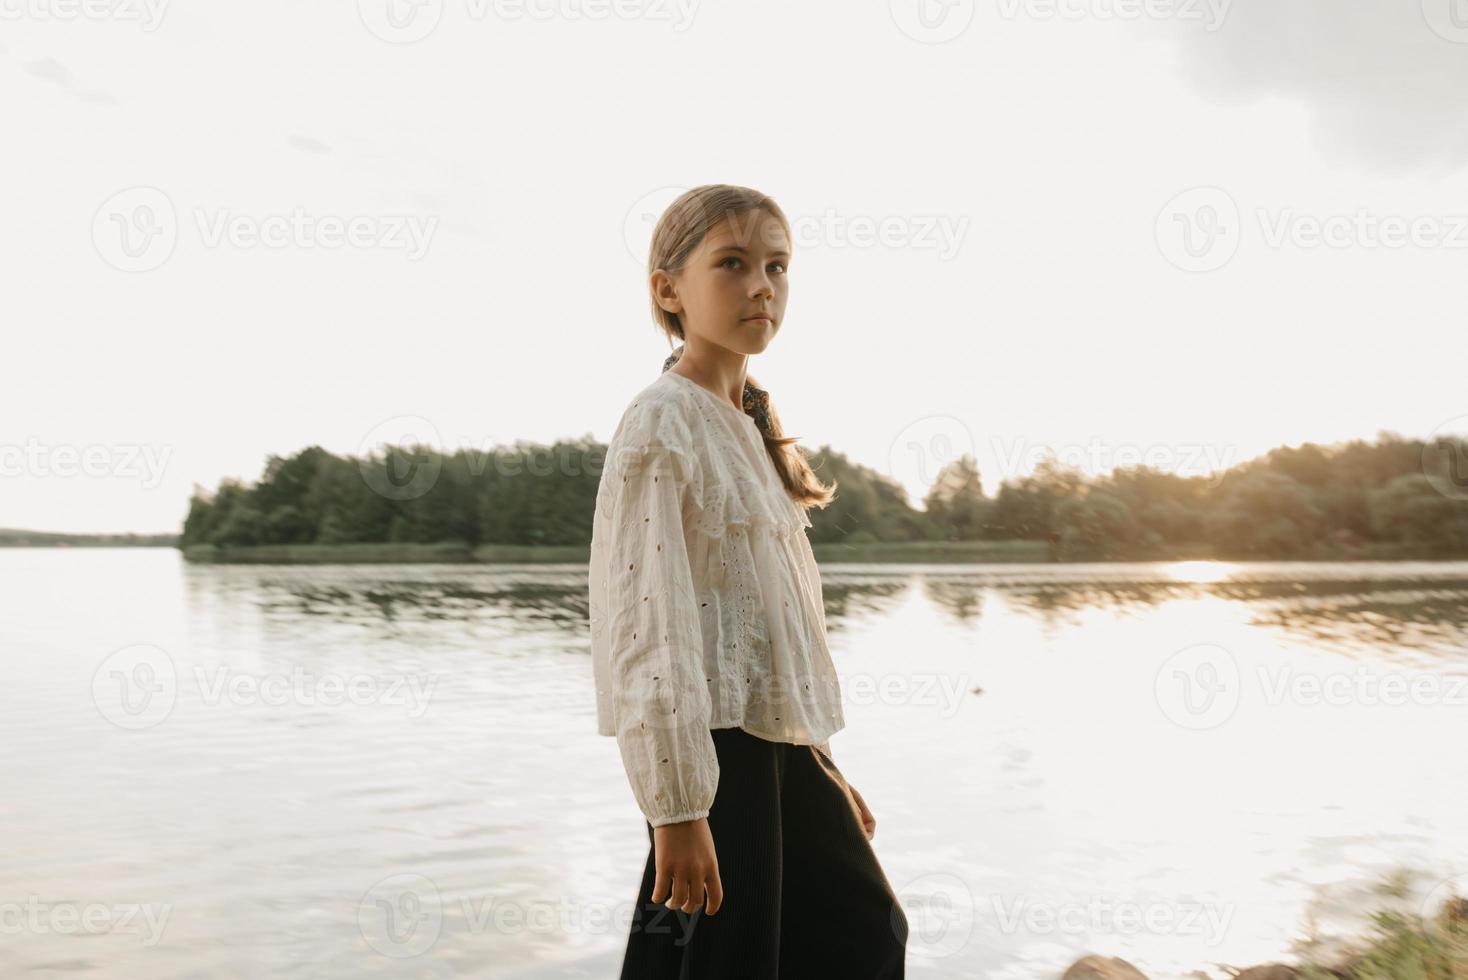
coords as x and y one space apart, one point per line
1198 571
1004 722
1406 605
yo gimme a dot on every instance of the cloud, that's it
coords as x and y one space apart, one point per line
1383 79
307 143
51 70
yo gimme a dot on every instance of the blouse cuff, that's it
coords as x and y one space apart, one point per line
677 818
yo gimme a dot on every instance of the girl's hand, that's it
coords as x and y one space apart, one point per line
867 820
687 866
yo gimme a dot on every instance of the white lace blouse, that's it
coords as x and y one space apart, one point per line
704 598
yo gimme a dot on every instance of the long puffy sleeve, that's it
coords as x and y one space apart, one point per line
660 704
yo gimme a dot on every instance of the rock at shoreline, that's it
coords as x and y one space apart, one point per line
1102 968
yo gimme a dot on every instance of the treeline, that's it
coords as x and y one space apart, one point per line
16 538
1389 498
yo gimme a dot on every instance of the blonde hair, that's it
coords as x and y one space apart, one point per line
680 229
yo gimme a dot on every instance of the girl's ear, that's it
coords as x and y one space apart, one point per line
665 292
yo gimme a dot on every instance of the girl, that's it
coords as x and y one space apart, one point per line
709 639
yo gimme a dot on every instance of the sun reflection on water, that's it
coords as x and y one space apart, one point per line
1199 571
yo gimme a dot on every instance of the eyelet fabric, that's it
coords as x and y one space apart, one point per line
705 600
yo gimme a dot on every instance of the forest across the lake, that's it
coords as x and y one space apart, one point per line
1391 498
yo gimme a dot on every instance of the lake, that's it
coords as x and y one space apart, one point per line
392 770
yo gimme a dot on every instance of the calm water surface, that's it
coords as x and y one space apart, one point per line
364 771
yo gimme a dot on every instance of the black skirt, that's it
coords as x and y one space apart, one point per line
804 895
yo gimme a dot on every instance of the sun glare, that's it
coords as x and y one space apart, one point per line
1199 571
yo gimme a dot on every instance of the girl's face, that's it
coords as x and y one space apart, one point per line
737 274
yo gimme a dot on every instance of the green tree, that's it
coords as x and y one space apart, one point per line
1098 525
956 504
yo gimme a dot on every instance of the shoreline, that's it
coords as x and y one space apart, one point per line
862 552
985 552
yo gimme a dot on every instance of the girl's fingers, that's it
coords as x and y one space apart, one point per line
680 892
716 893
659 886
695 898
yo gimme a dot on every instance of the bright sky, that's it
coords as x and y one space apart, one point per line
991 256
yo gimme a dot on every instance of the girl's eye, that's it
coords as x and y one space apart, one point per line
735 259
